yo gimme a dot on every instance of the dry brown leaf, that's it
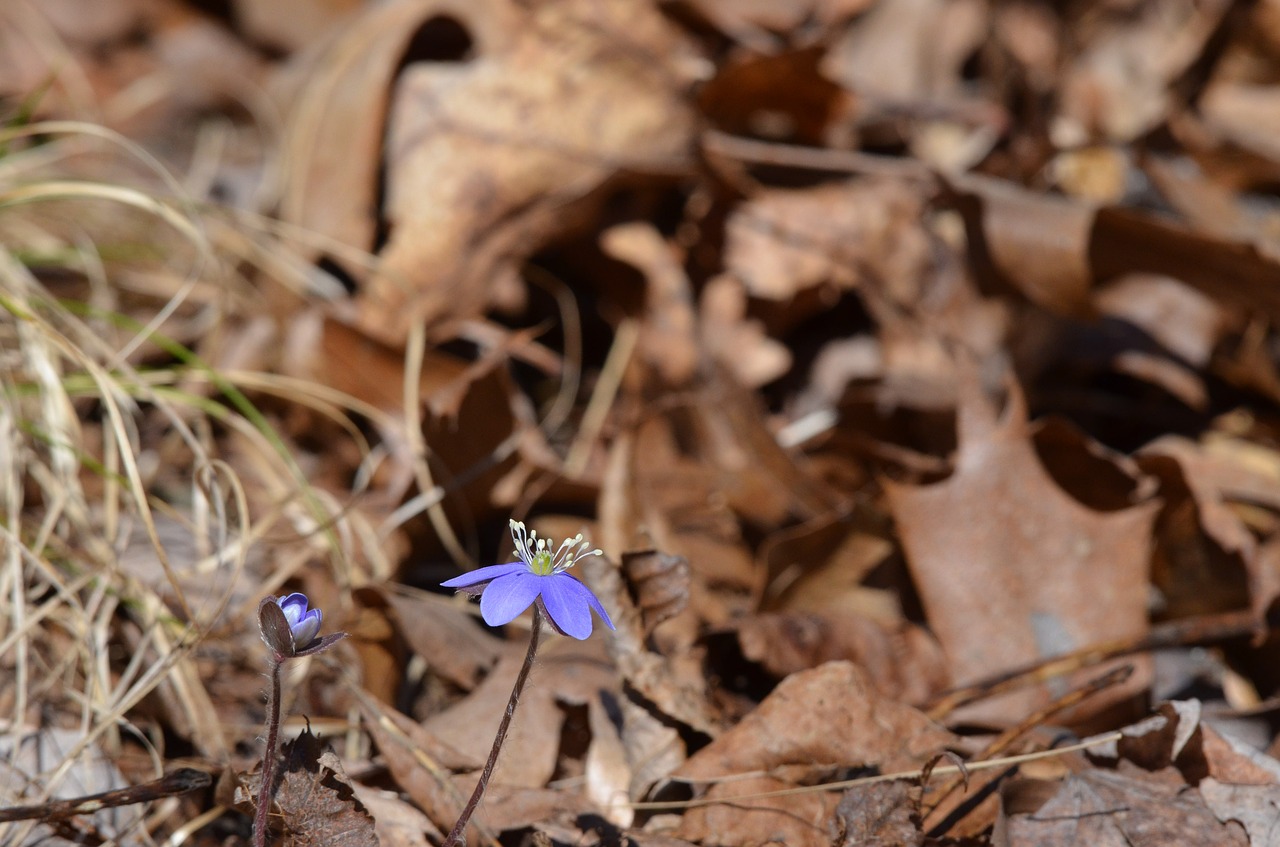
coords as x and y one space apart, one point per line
1244 113
903 662
607 770
1036 243
1251 806
820 566
1110 809
783 242
738 343
567 671
830 715
421 763
1053 249
508 807
395 822
668 339
657 584
449 639
670 687
291 24
1119 86
1215 479
778 95
1012 569
908 50
1184 321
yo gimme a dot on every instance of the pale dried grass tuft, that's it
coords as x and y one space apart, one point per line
125 526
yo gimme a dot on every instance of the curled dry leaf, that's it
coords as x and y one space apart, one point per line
488 147
658 584
1217 478
1052 249
668 339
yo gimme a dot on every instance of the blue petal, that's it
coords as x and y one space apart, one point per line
569 604
294 607
599 607
306 630
485 574
507 596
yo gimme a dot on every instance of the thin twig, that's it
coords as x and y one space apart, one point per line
941 770
180 781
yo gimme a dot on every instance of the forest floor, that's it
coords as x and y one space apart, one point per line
911 364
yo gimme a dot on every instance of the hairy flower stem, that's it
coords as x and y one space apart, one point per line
268 758
455 837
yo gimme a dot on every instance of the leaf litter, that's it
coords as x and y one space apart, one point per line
912 363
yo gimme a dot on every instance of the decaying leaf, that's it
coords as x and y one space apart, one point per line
315 800
879 815
1113 808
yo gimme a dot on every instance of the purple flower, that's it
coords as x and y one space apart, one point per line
289 628
538 577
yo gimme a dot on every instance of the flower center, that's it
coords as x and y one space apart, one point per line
542 563
538 555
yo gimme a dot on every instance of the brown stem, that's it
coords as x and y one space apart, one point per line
268 758
455 837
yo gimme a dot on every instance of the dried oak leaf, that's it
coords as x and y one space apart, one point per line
830 715
1012 569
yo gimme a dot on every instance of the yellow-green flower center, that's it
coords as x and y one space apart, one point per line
542 563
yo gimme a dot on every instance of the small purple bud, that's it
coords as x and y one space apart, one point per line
289 628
